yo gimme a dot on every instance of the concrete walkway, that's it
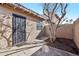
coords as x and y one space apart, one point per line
38 49
25 50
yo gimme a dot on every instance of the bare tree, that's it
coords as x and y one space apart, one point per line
51 10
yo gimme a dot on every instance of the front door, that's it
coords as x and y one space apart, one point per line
18 29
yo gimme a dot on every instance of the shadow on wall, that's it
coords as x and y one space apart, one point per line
64 31
42 33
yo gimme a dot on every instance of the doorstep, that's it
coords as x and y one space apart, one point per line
26 52
26 47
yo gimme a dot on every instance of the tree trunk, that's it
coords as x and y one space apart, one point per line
51 31
54 32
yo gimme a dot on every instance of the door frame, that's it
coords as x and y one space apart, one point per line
14 39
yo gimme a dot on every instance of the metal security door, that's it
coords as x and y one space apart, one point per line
18 29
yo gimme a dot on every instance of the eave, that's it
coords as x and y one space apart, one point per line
23 10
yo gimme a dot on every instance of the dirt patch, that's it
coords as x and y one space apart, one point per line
65 44
51 51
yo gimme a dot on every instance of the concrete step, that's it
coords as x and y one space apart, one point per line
26 52
21 48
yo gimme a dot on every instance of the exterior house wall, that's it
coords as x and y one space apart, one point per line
6 28
31 30
6 35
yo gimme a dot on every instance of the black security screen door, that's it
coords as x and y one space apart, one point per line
18 29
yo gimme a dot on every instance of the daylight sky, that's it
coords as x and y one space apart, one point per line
72 11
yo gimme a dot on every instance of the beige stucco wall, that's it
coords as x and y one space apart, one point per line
31 30
8 29
65 31
76 32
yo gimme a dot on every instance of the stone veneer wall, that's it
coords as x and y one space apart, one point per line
7 31
5 28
